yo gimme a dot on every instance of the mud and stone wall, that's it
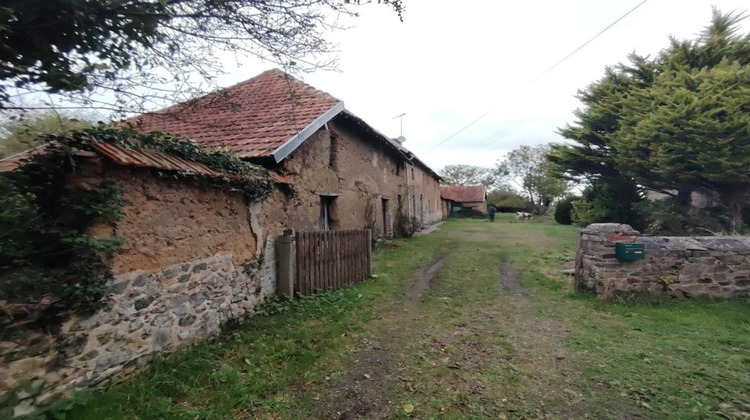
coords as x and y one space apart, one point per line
361 178
195 256
425 193
190 262
672 266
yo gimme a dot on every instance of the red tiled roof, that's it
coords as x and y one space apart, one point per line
144 158
253 118
14 161
153 159
463 194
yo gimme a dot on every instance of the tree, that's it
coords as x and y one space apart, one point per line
469 175
505 200
141 51
23 132
608 203
564 210
674 123
529 169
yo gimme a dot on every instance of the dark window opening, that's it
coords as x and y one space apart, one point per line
333 152
421 208
327 220
384 208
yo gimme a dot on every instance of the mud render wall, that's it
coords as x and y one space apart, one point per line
361 179
195 256
672 266
189 263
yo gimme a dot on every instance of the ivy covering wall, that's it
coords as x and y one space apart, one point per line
50 267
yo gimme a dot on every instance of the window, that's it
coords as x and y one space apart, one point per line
326 220
384 209
412 173
421 208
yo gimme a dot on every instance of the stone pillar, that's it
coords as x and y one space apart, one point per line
287 258
595 256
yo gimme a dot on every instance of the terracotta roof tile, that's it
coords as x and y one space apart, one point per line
253 118
11 162
144 158
464 194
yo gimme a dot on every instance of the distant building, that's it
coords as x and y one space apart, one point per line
455 198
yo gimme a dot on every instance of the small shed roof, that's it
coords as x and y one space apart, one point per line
464 193
144 158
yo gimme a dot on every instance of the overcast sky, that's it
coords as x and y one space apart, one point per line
451 62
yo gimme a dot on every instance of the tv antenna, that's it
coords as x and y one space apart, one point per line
401 123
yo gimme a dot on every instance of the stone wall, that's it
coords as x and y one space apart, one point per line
148 313
192 259
195 256
341 162
425 189
672 266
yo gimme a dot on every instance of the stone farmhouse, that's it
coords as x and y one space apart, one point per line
338 165
194 254
460 197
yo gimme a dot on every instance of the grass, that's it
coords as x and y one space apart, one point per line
465 347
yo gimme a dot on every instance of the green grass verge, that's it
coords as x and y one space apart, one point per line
648 357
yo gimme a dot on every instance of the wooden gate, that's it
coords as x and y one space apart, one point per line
332 259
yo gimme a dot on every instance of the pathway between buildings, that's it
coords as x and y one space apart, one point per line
466 338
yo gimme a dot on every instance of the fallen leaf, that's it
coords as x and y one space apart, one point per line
367 376
453 366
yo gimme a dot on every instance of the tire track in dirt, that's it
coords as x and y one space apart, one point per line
371 375
422 285
509 279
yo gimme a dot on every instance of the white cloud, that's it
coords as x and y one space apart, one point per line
449 62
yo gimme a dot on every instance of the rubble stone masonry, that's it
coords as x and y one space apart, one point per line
672 266
190 262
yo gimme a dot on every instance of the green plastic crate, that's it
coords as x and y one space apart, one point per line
629 251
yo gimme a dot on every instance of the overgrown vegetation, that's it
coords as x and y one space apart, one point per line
252 180
50 267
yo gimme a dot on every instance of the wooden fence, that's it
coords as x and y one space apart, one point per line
331 260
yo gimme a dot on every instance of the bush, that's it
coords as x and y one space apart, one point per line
564 210
507 201
612 201
469 214
406 226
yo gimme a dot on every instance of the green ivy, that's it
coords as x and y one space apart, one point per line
254 181
50 267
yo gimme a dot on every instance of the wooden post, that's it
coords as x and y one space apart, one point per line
369 253
287 259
